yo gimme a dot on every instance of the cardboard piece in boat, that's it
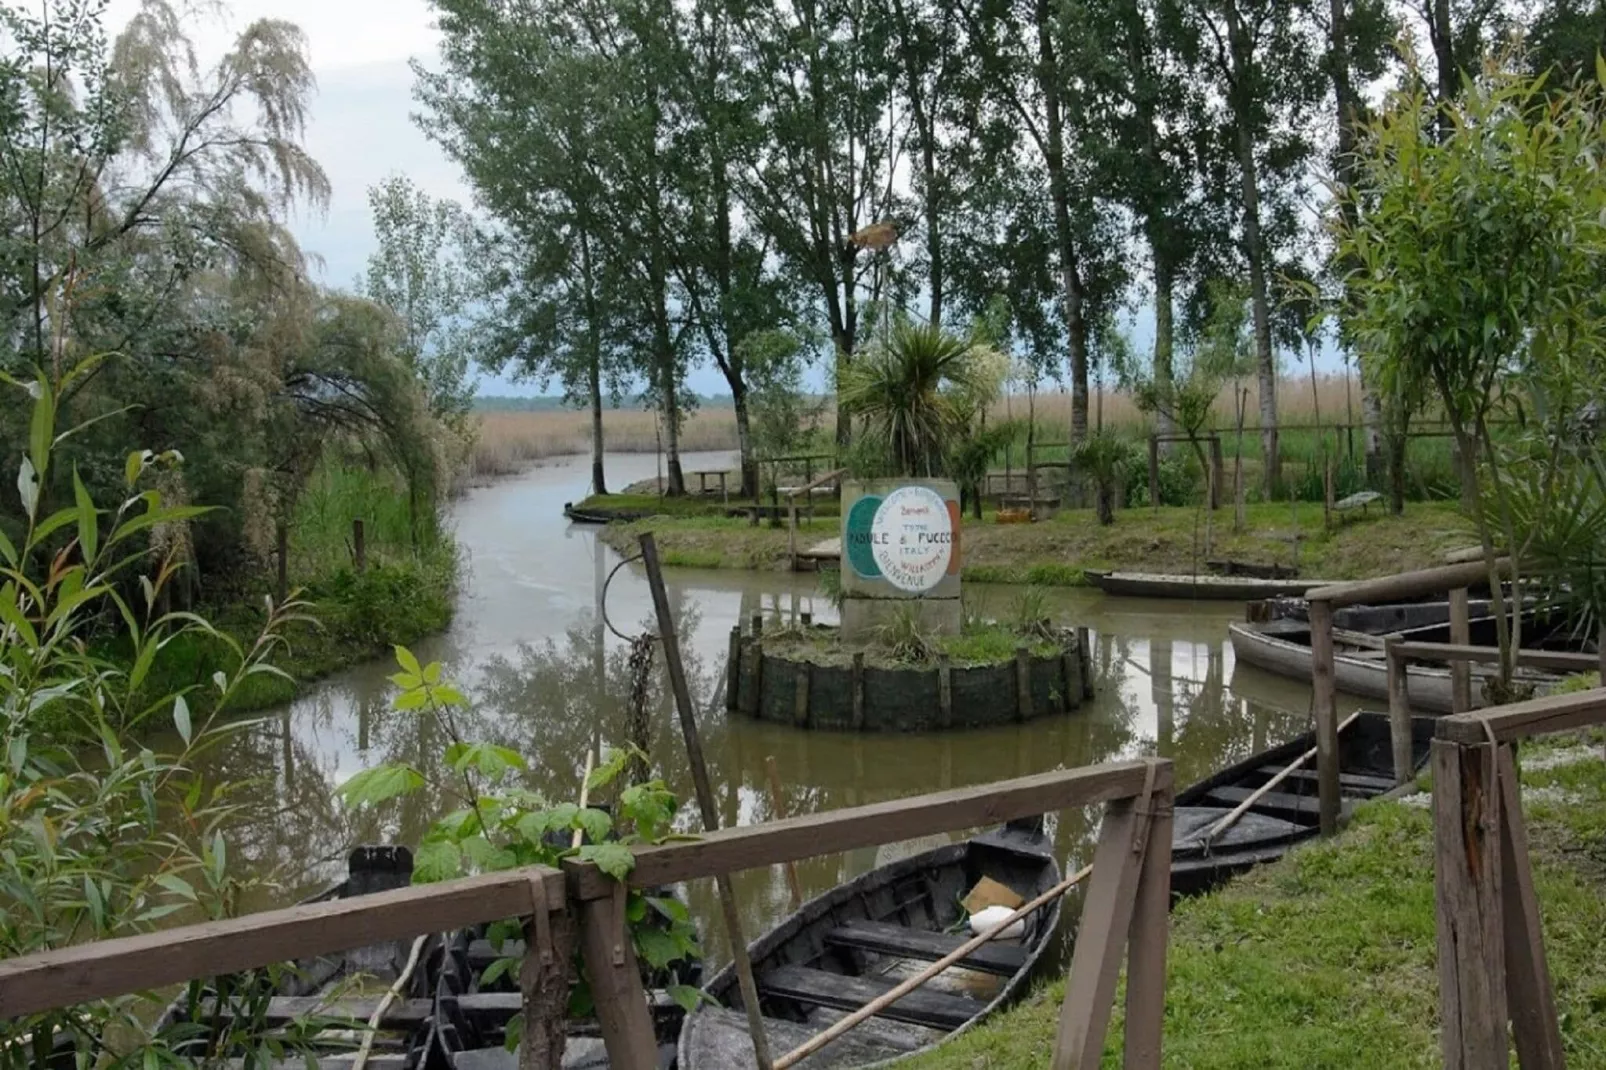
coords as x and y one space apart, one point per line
990 893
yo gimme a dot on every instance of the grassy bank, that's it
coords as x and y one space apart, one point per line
1056 552
404 593
1328 958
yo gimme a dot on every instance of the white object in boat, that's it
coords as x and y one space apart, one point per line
986 920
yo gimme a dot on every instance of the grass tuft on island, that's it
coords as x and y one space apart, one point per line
981 643
1056 552
1328 957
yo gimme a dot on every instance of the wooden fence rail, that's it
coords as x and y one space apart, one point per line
1492 965
1125 913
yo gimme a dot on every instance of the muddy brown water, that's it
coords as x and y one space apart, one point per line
546 678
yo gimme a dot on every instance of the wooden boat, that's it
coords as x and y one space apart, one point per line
1228 566
1373 620
1286 815
327 1002
1283 647
1203 586
855 942
592 516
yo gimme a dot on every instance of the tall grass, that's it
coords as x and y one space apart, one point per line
509 441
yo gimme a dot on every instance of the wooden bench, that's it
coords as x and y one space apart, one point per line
821 988
702 482
887 939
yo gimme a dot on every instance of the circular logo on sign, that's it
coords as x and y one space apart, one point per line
912 538
858 534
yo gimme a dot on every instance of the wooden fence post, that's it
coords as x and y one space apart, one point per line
1460 634
621 1002
733 668
1466 872
1102 936
359 545
1218 471
858 691
1151 920
544 983
1321 660
1023 683
945 691
1154 472
1399 711
1534 1025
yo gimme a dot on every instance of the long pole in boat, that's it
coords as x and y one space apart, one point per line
705 794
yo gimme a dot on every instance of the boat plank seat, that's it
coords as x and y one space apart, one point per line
401 1014
888 939
820 988
1276 803
728 1045
1360 783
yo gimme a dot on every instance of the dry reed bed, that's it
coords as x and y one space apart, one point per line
509 441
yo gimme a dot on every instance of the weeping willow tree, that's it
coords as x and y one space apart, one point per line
143 212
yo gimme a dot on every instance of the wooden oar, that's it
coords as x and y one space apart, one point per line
880 1003
779 804
1259 793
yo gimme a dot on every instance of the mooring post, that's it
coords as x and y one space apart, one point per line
945 691
359 545
1154 472
1461 635
1467 890
1399 711
733 668
1023 683
1324 700
705 803
858 690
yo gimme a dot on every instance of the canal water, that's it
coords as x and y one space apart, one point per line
546 678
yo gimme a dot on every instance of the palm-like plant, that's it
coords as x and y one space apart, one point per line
916 394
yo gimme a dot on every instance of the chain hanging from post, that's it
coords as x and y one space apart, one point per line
638 726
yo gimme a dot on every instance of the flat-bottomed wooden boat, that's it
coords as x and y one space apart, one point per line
1287 814
845 948
1198 587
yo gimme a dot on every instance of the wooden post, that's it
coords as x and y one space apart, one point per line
791 533
945 691
1106 920
733 668
544 983
1461 634
758 625
359 546
621 1002
800 701
1084 651
1534 1024
808 481
1327 492
1068 673
1218 471
1154 471
282 581
1146 947
1324 701
858 691
1023 683
1399 711
710 815
806 619
1467 871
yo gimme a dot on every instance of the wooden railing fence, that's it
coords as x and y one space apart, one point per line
1492 964
1124 915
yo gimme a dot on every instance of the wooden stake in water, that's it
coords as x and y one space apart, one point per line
779 802
705 794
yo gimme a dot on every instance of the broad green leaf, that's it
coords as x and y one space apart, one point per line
513 1032
495 970
181 718
178 886
380 783
134 466
28 487
7 550
432 673
438 860
594 823
416 699
656 947
88 519
487 758
688 996
405 659
43 429
614 859
673 909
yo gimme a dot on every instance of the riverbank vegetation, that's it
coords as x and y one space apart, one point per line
1057 551
151 294
1329 954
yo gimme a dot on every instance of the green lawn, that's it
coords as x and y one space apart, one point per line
1328 958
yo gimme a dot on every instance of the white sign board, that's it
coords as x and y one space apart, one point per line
912 538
